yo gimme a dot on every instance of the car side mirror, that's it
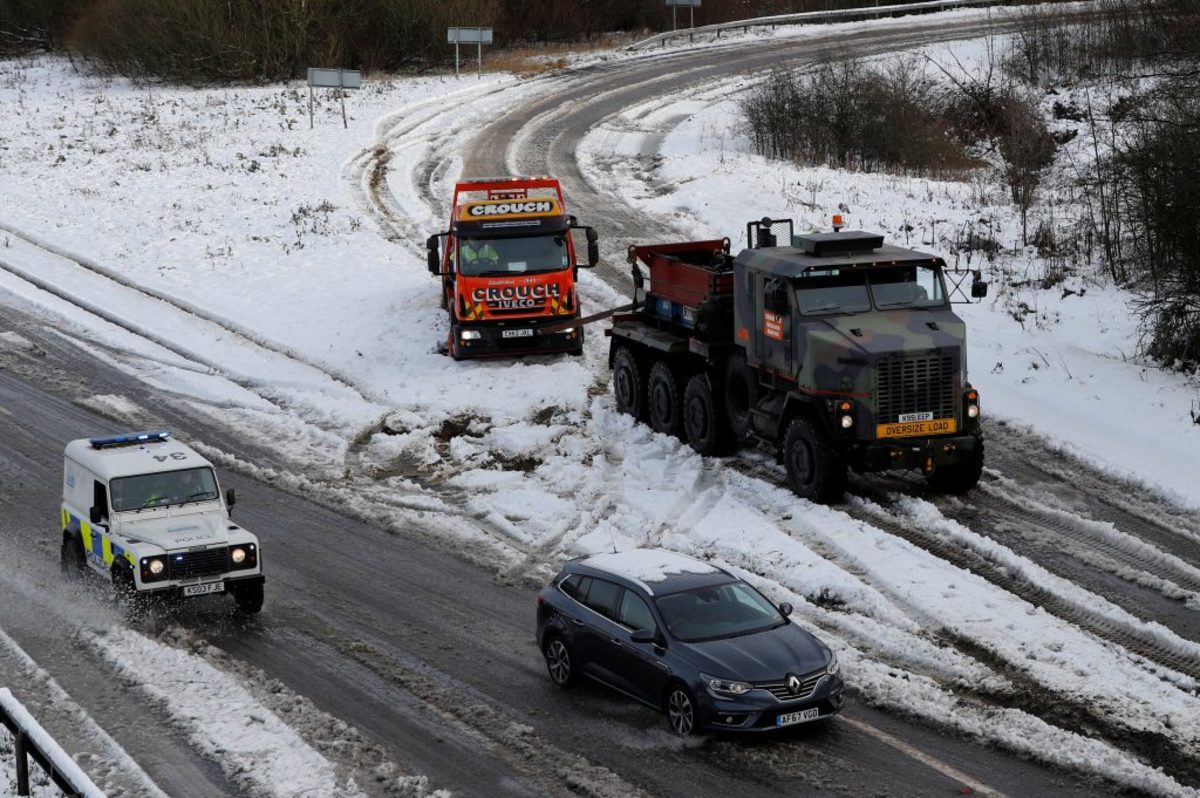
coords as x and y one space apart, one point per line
230 499
978 288
94 515
785 609
644 636
593 247
433 256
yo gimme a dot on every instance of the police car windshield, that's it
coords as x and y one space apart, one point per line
832 291
160 490
906 287
478 257
717 612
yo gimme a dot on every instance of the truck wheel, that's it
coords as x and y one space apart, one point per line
816 470
664 400
628 386
741 394
958 478
72 558
249 598
704 418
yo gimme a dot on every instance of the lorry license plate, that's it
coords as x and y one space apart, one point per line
201 590
908 417
516 333
792 718
910 429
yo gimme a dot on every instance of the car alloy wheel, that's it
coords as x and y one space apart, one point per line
680 712
558 662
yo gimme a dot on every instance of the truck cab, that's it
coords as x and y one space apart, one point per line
146 512
508 269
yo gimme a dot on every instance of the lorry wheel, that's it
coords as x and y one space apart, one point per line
958 478
249 598
628 386
71 558
816 470
664 400
741 394
704 418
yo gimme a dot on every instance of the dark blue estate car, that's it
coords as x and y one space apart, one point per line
687 638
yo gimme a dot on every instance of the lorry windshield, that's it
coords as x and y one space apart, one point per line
478 257
159 490
832 291
907 286
846 290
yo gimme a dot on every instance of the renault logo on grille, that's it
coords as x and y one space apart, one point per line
793 683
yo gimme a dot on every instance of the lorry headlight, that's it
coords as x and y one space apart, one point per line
238 555
469 335
973 411
847 422
568 331
972 398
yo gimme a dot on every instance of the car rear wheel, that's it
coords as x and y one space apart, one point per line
559 664
681 711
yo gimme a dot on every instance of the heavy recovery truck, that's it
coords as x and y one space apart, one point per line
837 350
508 269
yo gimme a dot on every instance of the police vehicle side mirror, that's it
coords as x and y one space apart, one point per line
593 247
785 609
94 515
230 499
433 256
978 288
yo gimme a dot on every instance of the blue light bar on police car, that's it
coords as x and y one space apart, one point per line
130 439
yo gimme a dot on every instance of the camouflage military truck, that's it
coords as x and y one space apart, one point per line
837 350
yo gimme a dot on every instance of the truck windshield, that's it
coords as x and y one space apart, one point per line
159 490
907 287
478 257
717 612
832 291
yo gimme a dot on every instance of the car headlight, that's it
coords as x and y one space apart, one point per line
724 688
469 335
156 567
833 667
238 555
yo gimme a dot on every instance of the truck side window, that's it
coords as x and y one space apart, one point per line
775 297
100 499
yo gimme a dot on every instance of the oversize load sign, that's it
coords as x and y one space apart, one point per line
772 325
511 209
911 429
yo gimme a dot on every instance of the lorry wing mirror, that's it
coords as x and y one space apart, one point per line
433 256
978 288
593 246
94 515
230 499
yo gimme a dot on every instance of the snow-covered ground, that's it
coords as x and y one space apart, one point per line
210 243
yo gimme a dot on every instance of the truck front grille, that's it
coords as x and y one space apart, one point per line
181 565
781 690
917 385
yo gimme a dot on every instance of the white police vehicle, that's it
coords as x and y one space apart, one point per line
145 511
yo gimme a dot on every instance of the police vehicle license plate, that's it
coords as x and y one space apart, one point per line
792 718
201 590
516 334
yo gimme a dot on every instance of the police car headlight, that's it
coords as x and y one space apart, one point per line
157 567
469 335
238 556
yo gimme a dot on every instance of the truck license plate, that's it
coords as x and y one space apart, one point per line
516 333
906 418
937 426
201 590
792 718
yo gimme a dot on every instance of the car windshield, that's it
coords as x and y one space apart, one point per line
906 287
832 291
159 490
718 612
500 256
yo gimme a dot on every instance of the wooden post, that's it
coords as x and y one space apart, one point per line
342 95
456 76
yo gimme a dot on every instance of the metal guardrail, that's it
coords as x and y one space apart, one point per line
31 741
862 12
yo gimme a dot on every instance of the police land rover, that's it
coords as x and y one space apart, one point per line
145 511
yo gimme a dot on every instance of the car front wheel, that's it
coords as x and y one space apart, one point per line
559 664
681 711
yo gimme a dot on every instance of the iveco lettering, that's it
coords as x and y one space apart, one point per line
687 638
145 512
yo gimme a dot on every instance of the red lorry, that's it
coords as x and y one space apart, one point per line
508 268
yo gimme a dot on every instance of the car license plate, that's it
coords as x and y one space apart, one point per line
792 718
911 429
201 590
526 333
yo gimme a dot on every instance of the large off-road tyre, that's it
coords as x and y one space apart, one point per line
629 385
680 707
560 664
741 394
249 597
72 560
704 418
664 397
958 478
816 470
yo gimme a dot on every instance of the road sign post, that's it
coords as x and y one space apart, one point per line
476 36
340 79
691 6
